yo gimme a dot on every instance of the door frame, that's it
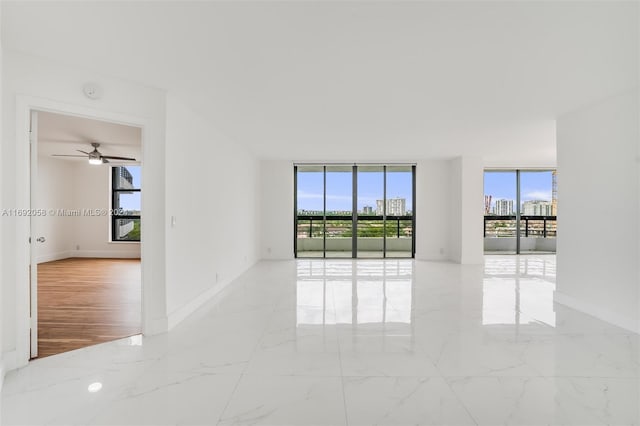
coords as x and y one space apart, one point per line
24 289
354 213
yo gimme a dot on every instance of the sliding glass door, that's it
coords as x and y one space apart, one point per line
520 208
338 211
309 197
363 211
399 211
500 206
370 241
538 211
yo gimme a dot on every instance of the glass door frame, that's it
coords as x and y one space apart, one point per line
518 200
354 212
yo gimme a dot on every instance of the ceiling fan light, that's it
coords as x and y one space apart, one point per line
95 161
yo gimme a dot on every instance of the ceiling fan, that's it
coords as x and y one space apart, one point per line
95 156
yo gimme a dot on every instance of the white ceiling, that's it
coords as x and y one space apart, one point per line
65 134
355 80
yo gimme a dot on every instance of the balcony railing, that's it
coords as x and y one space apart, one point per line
340 226
530 226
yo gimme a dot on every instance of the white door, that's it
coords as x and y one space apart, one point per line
35 238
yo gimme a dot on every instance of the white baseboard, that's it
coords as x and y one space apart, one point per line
432 257
179 315
7 363
54 256
155 326
597 311
101 254
107 254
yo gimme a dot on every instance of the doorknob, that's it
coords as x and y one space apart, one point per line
41 239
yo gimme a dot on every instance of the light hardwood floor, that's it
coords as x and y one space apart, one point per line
83 301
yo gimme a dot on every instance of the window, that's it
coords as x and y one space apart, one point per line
125 203
520 208
354 210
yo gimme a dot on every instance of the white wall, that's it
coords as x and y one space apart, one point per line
27 79
54 191
598 213
276 197
75 185
2 282
466 223
433 194
212 192
441 233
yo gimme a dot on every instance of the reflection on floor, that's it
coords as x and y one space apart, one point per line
84 301
361 254
359 342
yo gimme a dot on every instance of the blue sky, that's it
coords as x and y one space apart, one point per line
132 201
534 185
339 185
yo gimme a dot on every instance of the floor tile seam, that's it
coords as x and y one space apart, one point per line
94 371
460 401
246 366
231 395
342 377
318 376
121 395
546 377
458 398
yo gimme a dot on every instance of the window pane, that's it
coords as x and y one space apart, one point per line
127 230
500 211
538 209
398 233
535 193
128 203
127 177
339 202
310 199
370 211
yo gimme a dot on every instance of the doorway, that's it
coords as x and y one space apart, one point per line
85 256
354 210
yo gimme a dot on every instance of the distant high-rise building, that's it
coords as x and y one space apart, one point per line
487 204
503 207
125 178
537 208
395 207
367 210
554 193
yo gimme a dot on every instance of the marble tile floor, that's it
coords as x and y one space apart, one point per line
357 342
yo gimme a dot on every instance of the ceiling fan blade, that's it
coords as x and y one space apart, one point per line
111 157
104 160
63 155
79 150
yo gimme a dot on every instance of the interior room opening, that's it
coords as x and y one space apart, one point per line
85 251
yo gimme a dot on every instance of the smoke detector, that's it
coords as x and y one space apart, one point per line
92 90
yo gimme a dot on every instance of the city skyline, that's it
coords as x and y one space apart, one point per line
535 186
339 190
505 207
